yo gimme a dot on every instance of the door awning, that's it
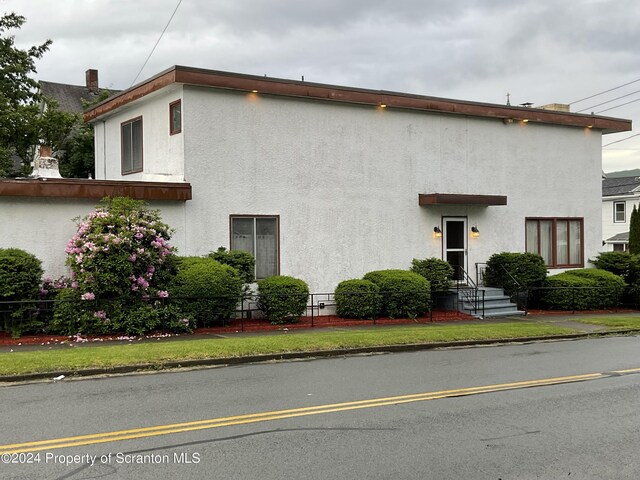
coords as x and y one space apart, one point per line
460 199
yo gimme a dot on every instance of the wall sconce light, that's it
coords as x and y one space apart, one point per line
475 232
507 121
382 105
437 233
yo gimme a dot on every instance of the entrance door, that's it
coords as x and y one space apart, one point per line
455 244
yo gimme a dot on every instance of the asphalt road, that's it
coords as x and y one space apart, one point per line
474 413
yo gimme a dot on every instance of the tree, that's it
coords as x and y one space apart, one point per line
634 232
77 155
19 109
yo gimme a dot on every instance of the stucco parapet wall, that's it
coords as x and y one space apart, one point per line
80 188
334 93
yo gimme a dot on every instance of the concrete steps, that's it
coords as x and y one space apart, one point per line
496 303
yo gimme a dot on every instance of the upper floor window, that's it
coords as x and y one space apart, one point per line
619 212
131 136
175 117
559 241
259 236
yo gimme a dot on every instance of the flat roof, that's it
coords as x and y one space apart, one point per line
335 93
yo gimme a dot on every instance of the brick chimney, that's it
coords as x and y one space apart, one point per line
92 80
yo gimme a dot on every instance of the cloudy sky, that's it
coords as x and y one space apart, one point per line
540 51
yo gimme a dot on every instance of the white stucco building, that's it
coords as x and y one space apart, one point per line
326 183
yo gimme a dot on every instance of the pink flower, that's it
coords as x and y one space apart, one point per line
88 296
163 294
133 257
75 284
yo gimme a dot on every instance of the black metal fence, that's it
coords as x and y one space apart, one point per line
35 316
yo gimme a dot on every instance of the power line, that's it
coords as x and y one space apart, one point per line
618 106
606 91
157 42
608 101
621 140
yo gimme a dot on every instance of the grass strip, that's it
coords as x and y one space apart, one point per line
614 323
163 351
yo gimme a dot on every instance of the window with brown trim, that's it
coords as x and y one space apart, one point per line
258 235
175 117
559 241
131 146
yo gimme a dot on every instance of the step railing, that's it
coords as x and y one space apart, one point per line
468 291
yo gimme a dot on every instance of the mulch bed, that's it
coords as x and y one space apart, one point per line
246 325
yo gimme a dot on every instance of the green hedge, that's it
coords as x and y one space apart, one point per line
584 289
438 272
527 269
205 290
242 261
404 293
357 299
282 298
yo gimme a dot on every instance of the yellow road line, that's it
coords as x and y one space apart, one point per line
129 434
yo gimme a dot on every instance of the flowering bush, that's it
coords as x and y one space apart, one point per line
119 257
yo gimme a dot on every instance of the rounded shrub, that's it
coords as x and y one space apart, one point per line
438 272
404 293
282 298
583 289
242 261
357 299
527 269
20 274
205 290
618 263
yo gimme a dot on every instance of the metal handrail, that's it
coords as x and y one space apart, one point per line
469 294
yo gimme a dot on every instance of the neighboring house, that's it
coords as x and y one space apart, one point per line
326 182
619 196
70 99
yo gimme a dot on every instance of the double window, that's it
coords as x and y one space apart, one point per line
259 236
619 212
559 241
131 142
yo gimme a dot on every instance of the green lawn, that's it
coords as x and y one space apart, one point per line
160 352
615 323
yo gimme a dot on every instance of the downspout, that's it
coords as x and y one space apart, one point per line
104 149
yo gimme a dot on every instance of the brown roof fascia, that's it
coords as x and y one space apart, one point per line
316 91
460 199
81 188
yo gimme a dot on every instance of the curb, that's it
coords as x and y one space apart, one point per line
228 361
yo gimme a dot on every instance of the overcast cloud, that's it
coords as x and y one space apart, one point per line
540 51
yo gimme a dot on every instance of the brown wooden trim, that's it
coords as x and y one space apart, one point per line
171 106
81 188
460 199
554 239
335 93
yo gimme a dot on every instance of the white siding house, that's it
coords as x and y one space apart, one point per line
619 196
326 183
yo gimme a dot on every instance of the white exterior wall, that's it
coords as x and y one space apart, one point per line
345 180
162 153
43 226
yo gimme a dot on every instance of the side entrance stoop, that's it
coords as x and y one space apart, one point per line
496 303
